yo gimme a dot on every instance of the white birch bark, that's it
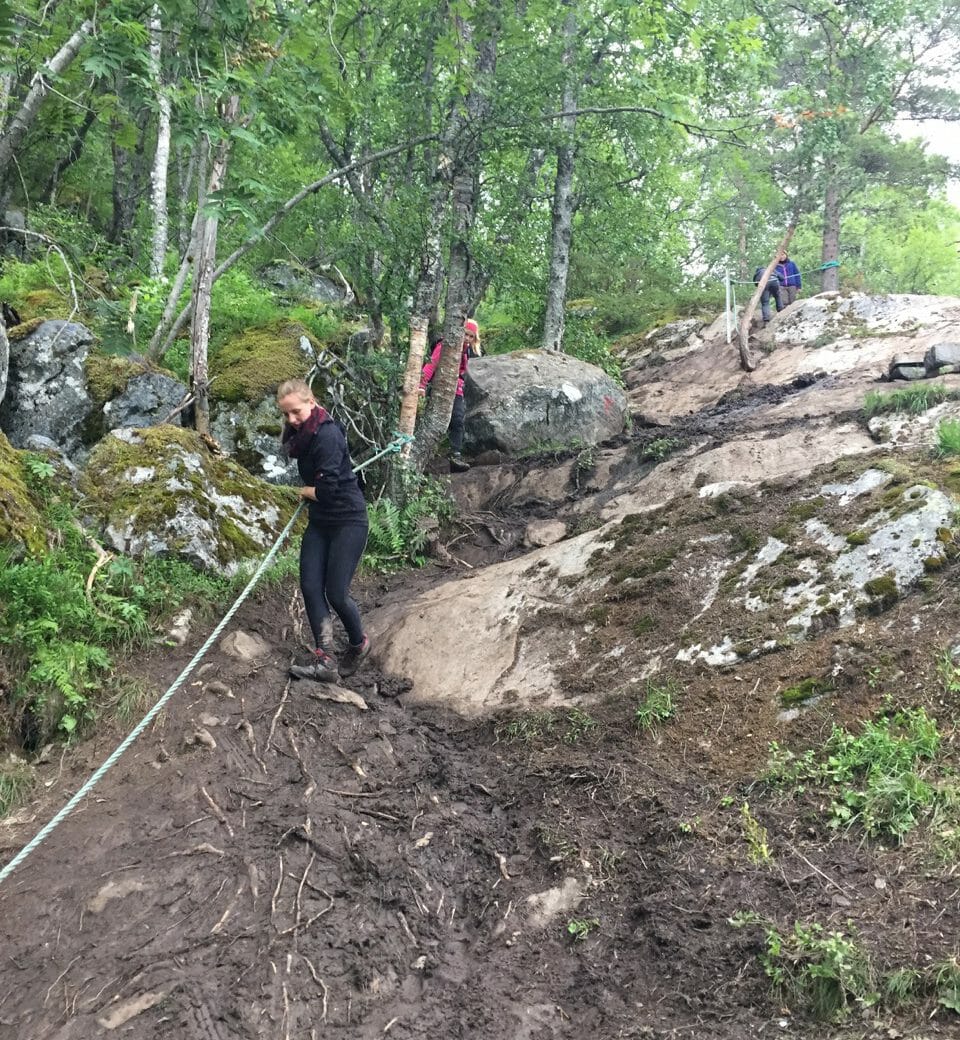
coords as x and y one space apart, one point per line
561 219
161 159
13 136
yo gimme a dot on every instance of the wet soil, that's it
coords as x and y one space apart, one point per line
267 863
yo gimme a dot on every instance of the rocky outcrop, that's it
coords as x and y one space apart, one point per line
160 492
148 399
759 516
46 389
251 434
535 399
302 285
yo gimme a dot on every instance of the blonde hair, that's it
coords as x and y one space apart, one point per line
294 386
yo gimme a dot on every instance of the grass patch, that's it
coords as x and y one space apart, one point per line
658 705
16 782
912 400
948 438
878 779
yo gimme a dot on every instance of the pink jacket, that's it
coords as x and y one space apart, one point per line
431 366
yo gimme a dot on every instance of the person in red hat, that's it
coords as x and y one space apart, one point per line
470 349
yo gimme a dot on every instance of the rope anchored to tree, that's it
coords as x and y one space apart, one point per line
396 444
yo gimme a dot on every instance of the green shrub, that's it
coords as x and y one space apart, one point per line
827 971
399 532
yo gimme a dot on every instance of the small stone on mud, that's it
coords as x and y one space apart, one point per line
179 630
245 646
219 689
201 738
210 720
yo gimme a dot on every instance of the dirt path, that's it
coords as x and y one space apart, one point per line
327 871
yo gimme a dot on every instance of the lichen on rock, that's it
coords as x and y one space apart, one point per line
159 491
21 525
256 363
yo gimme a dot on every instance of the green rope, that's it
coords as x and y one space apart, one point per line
398 441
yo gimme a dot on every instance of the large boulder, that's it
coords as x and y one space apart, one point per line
251 434
300 283
21 526
537 398
148 400
160 491
46 389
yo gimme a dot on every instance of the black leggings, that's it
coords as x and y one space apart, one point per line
455 432
328 558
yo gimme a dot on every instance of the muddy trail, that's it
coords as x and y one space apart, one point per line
268 863
278 860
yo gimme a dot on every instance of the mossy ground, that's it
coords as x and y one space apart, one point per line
21 524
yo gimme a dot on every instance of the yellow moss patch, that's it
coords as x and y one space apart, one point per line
46 303
21 331
167 471
108 375
20 521
253 365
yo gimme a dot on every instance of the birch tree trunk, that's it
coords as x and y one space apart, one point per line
4 360
424 302
561 218
464 138
746 361
161 158
23 120
205 262
831 235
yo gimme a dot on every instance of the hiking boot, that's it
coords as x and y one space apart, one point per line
352 657
319 666
457 464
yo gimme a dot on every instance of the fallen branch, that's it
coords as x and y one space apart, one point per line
217 811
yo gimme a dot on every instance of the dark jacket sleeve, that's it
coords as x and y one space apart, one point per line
326 459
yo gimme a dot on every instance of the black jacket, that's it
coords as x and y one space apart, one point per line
326 466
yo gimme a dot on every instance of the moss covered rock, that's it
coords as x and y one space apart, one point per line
20 522
160 491
253 365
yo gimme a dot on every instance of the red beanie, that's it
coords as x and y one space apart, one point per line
471 326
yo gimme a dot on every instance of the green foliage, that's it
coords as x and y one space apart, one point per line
661 448
876 779
580 927
948 438
399 533
58 638
914 399
658 705
828 972
581 340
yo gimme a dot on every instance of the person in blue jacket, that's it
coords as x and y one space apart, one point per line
336 532
788 274
771 292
